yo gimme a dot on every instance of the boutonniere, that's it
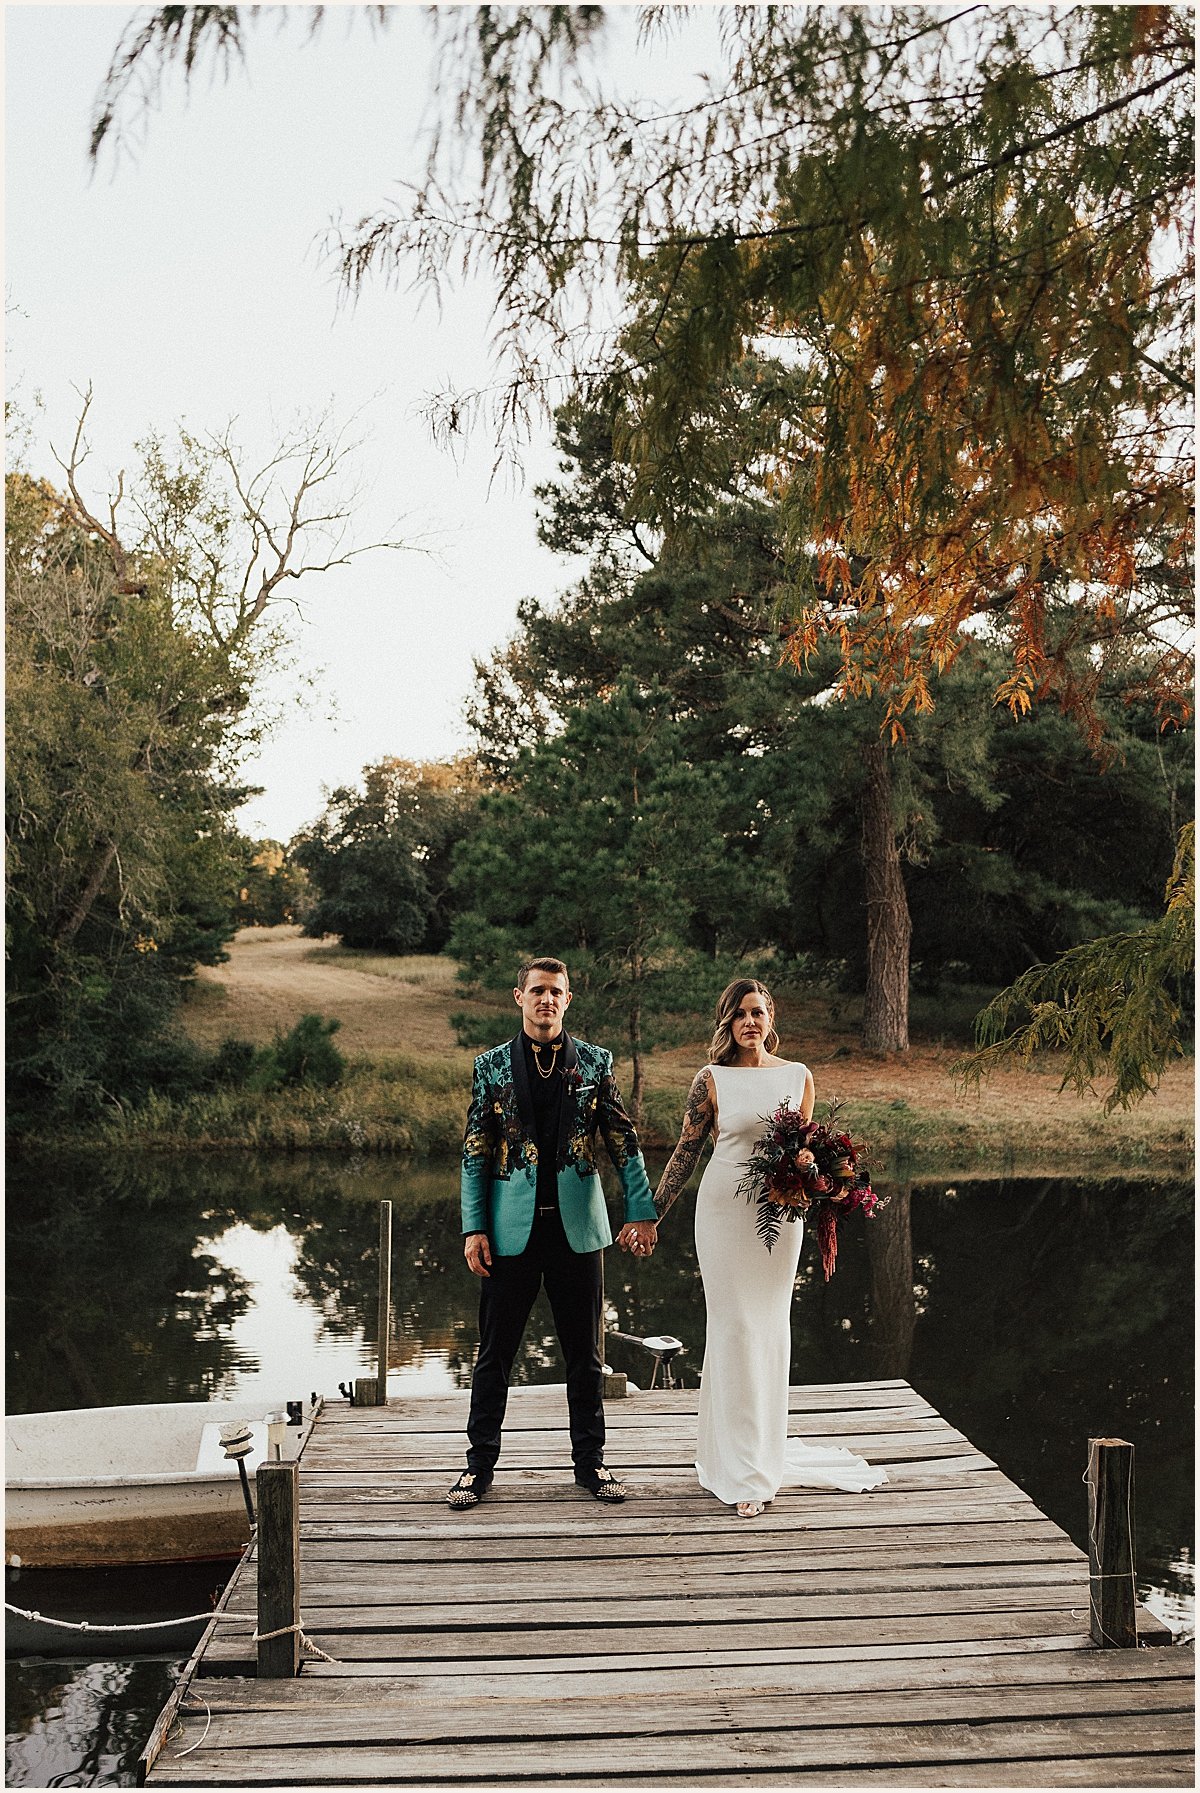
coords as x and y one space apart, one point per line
573 1081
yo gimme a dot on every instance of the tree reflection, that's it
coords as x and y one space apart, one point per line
893 1309
108 1300
80 1724
1059 1311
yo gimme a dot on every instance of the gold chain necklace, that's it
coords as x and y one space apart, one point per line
555 1050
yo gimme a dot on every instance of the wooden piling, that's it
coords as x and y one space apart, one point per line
278 1486
385 1299
1112 1592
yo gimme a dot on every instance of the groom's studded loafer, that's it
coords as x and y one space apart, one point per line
601 1484
469 1490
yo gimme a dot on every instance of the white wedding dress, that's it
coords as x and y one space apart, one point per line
743 1451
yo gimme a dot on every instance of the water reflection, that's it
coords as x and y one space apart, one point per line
1172 1595
110 1298
892 1300
1058 1312
80 1724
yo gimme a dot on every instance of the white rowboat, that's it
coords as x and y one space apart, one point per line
99 1485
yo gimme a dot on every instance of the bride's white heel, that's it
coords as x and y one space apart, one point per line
750 1509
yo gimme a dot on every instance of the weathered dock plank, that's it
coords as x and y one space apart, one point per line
932 1632
604 1687
591 1759
422 1587
495 1720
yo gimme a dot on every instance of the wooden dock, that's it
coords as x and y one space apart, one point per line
933 1632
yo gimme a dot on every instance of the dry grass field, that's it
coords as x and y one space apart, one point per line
403 1006
273 976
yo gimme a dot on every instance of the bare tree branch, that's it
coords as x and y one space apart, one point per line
78 513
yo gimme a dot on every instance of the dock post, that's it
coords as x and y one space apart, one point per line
385 1299
1112 1595
278 1486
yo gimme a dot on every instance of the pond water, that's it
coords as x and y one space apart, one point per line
1033 1313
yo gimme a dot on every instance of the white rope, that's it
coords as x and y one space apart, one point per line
306 1642
189 1692
192 1618
176 1726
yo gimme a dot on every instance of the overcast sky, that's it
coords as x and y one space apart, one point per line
186 282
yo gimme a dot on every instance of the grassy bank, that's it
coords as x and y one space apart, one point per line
403 1103
393 1103
909 1136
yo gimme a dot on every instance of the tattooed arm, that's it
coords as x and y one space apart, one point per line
699 1119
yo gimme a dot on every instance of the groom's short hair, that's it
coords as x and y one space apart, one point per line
541 965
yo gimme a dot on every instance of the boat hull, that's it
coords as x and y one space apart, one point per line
164 1523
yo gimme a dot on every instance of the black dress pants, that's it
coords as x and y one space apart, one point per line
506 1299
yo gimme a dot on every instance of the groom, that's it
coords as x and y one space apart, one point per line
533 1211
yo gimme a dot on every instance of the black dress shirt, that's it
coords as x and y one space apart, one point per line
546 1094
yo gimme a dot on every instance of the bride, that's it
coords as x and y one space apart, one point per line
743 1453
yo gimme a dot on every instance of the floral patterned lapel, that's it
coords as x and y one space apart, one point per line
569 1106
520 1083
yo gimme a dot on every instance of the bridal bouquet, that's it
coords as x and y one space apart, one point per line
782 1183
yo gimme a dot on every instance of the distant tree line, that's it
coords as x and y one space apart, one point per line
271 887
377 862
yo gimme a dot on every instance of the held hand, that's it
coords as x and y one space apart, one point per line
478 1253
639 1237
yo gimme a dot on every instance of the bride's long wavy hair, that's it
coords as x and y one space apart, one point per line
723 1047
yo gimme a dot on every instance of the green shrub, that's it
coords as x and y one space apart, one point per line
307 1054
234 1062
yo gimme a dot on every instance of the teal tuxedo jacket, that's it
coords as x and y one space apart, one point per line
499 1162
